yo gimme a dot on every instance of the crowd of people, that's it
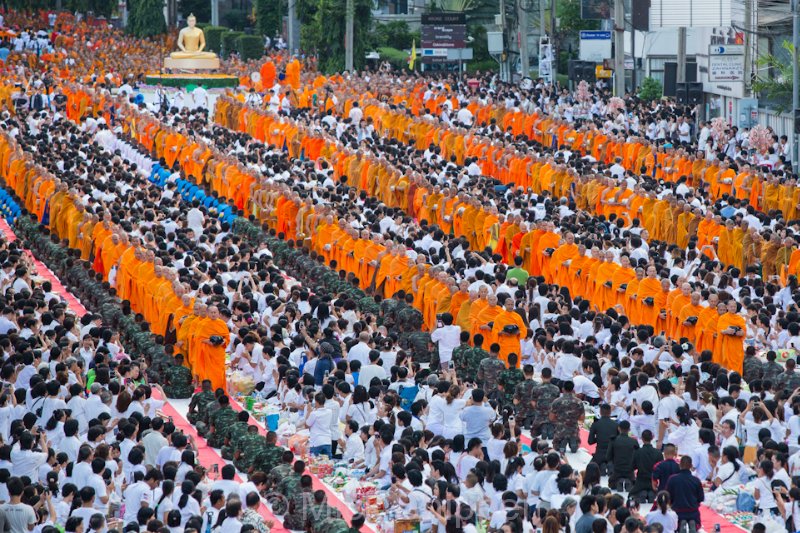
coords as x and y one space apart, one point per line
439 279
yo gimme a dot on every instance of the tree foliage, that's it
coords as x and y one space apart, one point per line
651 90
324 32
395 34
774 78
269 15
201 9
146 18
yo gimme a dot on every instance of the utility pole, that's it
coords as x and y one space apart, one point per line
215 12
553 48
681 75
522 18
795 81
619 48
348 36
291 17
504 74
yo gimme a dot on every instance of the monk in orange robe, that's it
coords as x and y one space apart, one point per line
729 347
689 319
707 325
487 316
207 356
509 342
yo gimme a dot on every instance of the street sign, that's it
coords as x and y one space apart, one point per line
726 50
601 72
459 54
726 62
595 45
434 52
444 35
494 41
444 18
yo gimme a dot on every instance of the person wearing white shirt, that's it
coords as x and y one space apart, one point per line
318 421
26 462
227 485
448 337
360 352
353 445
372 370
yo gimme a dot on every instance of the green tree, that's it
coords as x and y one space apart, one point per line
651 90
570 23
394 35
146 18
201 9
269 14
774 78
324 33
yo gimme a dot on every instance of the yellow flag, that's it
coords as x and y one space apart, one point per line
413 56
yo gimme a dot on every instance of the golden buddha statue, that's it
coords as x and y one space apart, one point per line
191 42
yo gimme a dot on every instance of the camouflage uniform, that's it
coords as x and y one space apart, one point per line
323 511
788 381
474 357
179 382
418 344
489 373
509 380
201 400
221 422
409 319
330 525
753 369
245 450
235 432
544 395
523 394
300 504
460 361
266 458
277 474
388 313
568 409
771 371
286 489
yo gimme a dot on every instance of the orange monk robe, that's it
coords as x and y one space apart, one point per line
509 343
475 310
541 261
456 301
143 276
577 272
127 262
462 319
622 276
729 349
605 296
690 332
648 314
706 329
676 305
169 306
484 318
559 264
209 361
631 304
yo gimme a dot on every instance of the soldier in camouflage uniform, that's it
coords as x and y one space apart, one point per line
543 397
199 403
752 367
409 319
489 371
320 510
523 396
389 309
178 380
772 369
300 504
264 458
245 449
566 414
474 357
287 487
220 422
235 432
789 380
510 378
460 358
279 472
